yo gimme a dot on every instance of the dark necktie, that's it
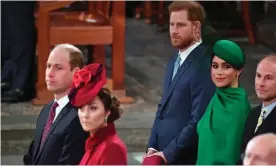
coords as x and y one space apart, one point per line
49 123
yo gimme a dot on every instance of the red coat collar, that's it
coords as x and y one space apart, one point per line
100 135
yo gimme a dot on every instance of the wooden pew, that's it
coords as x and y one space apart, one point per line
70 27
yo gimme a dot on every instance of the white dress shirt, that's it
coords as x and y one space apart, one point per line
269 108
62 102
184 54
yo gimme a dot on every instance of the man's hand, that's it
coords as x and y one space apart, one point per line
150 152
161 154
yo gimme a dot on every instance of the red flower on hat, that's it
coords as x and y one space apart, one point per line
87 83
82 76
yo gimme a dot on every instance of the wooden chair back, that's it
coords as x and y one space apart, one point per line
56 27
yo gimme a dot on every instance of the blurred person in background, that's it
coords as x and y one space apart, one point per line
261 150
18 47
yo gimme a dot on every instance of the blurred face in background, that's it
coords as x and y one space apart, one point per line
223 74
260 152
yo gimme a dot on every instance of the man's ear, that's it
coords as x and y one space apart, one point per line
197 24
197 30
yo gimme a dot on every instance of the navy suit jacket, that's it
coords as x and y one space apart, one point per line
183 103
65 143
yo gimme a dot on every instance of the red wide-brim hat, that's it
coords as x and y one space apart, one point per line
87 83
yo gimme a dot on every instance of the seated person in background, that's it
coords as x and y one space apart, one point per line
262 118
97 113
221 127
261 150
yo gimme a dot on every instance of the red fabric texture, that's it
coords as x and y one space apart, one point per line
153 160
88 81
105 148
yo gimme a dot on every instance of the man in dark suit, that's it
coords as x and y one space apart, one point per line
18 50
262 119
59 138
188 88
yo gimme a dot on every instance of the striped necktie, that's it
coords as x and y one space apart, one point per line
176 65
260 119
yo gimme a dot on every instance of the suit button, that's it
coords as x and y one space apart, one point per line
159 105
161 117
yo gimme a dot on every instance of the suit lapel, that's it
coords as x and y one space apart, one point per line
41 127
62 114
169 73
253 119
186 64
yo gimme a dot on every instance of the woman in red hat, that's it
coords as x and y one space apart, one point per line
97 113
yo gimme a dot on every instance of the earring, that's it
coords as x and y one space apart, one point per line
105 119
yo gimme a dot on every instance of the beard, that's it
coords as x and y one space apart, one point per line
182 43
268 98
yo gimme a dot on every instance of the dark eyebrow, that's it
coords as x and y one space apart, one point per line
91 103
178 22
268 75
56 64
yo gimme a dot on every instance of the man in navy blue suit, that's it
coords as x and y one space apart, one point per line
188 88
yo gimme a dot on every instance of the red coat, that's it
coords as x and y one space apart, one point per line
105 148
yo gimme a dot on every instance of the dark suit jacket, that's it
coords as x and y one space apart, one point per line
182 105
65 142
268 126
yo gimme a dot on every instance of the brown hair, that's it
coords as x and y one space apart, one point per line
75 55
195 10
111 104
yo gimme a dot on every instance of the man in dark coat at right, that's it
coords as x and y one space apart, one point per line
262 118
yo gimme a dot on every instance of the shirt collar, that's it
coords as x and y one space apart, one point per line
183 55
269 108
62 101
